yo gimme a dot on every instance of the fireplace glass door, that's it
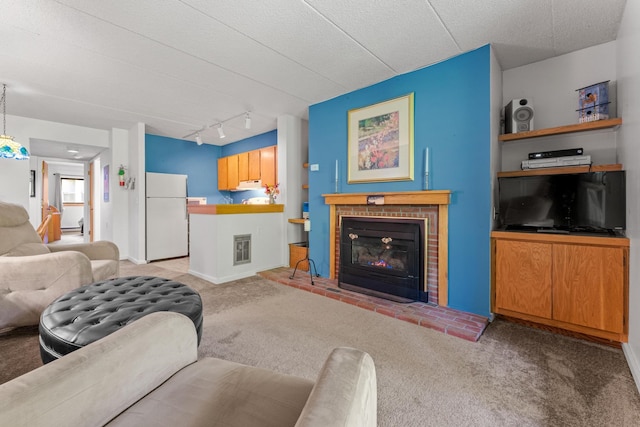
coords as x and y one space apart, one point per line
383 256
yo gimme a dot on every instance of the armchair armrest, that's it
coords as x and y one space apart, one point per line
96 250
29 283
345 393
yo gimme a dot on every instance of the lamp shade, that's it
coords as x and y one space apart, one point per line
9 149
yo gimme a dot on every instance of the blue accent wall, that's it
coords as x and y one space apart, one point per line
266 139
451 116
200 162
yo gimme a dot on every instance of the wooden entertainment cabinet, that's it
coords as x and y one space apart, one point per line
578 283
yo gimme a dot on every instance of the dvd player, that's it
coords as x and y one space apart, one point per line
556 153
555 162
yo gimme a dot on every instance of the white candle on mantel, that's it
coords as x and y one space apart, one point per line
336 170
426 161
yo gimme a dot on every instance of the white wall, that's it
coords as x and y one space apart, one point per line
119 143
551 85
211 245
628 64
496 107
118 228
137 208
293 151
23 129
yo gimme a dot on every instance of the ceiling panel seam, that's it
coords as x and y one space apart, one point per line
263 45
453 39
190 54
337 27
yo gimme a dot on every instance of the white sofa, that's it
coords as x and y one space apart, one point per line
147 374
33 274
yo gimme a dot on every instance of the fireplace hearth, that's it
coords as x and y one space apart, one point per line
383 257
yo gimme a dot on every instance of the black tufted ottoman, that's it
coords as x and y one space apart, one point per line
93 311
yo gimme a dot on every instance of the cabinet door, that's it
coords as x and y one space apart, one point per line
268 165
243 166
223 183
232 172
588 286
254 165
523 277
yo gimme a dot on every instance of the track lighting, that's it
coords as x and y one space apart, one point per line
219 126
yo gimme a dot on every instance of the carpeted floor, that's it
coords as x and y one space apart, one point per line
514 375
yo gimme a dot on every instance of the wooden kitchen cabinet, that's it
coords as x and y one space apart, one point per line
577 283
223 183
251 165
243 166
268 165
254 165
233 178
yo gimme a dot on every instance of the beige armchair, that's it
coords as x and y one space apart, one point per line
33 274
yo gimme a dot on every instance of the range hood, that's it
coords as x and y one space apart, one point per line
249 185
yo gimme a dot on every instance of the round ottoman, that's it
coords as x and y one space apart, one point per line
93 311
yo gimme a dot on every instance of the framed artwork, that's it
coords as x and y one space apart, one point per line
105 179
381 141
32 183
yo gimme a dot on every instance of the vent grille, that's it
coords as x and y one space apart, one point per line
242 249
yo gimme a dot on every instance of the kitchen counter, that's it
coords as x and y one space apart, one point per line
234 209
213 234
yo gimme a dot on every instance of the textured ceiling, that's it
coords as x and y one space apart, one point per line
181 65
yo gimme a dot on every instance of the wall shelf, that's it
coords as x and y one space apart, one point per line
580 127
557 171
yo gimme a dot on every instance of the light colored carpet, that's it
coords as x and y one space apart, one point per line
513 376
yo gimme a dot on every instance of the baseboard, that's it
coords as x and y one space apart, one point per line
633 362
222 279
136 261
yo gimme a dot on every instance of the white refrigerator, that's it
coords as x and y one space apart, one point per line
167 217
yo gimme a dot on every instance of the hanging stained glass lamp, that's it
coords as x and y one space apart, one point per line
9 149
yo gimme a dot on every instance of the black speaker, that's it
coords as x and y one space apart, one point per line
518 116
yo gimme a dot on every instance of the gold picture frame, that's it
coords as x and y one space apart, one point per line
380 139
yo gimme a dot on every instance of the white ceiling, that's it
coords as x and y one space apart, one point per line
181 65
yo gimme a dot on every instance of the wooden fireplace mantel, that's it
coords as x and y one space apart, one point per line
427 197
441 198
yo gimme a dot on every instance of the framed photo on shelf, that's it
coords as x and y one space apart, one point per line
380 139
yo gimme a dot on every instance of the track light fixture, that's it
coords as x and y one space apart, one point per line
219 126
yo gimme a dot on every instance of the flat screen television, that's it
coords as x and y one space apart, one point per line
593 202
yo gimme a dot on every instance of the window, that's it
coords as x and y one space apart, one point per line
72 190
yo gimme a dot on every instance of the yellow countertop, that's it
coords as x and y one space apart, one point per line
234 209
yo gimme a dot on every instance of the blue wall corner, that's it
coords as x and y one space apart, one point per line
200 162
452 119
266 139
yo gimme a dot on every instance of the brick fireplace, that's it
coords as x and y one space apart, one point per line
432 205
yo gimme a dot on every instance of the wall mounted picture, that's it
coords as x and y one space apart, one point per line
32 183
380 139
105 178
